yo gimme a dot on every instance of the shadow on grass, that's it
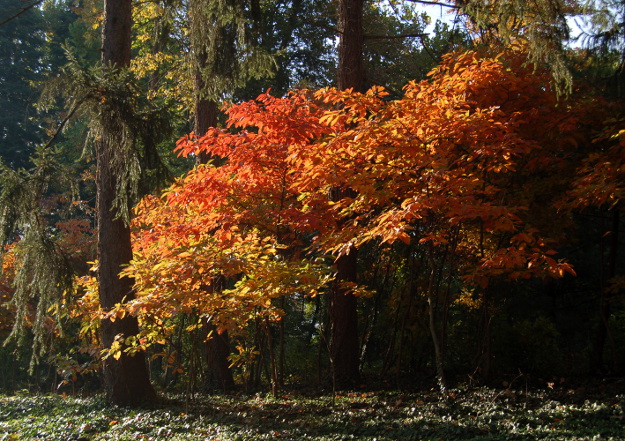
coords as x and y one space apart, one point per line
481 414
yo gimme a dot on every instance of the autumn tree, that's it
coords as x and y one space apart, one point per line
598 186
456 238
440 181
597 191
545 28
236 222
226 55
351 75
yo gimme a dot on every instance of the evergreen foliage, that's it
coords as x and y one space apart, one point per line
224 38
43 276
113 103
299 35
542 24
398 48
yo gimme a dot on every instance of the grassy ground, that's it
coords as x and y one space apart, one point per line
467 414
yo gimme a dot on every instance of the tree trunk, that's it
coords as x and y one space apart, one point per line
126 380
605 305
436 341
218 372
344 342
206 112
351 74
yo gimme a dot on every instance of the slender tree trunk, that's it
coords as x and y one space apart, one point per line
483 358
126 379
273 363
436 341
344 342
281 348
605 307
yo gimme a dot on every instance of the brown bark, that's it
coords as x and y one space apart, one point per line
343 316
205 117
218 372
351 69
126 380
206 110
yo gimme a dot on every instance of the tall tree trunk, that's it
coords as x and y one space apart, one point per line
206 110
344 342
126 379
218 374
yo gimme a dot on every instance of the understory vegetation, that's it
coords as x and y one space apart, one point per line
594 411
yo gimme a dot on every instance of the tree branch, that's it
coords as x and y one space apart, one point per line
322 26
62 124
20 12
381 37
435 3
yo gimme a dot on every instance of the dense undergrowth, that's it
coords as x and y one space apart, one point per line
596 413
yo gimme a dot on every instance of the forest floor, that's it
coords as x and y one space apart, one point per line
553 413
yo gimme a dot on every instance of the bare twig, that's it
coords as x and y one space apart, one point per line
435 3
381 37
62 124
20 11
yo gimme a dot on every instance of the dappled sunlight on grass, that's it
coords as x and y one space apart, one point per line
466 414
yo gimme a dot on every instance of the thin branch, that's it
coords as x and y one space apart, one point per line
322 26
62 124
435 3
20 12
381 37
